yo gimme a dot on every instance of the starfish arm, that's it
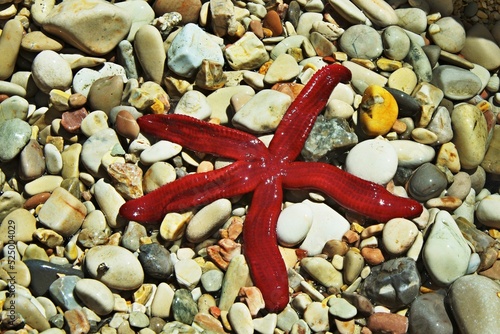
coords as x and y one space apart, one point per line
260 245
191 191
351 192
299 119
202 136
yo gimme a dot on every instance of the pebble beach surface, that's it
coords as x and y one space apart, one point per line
420 116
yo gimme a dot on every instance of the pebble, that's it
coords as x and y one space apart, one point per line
212 280
361 41
352 266
29 312
240 319
94 27
327 225
379 154
62 212
21 222
428 313
188 273
417 58
62 292
378 111
14 107
195 104
106 93
183 306
47 272
263 112
491 160
189 47
412 19
322 271
148 46
387 323
394 283
412 154
479 46
487 211
284 68
427 182
398 235
247 53
51 71
95 147
467 297
445 253
114 266
444 77
396 43
14 135
293 224
448 34
470 129
156 260
380 13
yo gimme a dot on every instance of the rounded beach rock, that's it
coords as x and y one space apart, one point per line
114 266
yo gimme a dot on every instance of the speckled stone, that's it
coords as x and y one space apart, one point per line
184 308
14 135
156 261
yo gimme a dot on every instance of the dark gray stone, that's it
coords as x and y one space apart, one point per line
427 182
394 283
428 315
45 273
408 105
156 261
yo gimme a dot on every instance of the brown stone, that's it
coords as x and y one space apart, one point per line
36 200
387 323
493 272
77 321
71 121
126 125
189 9
272 21
106 93
77 100
372 256
256 27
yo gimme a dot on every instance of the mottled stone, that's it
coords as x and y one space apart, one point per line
14 135
184 308
394 283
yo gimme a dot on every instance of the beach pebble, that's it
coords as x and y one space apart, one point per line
14 107
396 43
382 322
487 211
31 315
445 78
360 73
14 135
440 125
160 151
95 147
31 161
21 222
428 313
448 34
247 53
339 307
189 10
470 129
327 225
183 306
491 160
293 224
240 319
10 43
126 125
148 46
394 283
158 174
195 104
188 273
263 112
361 41
316 317
467 297
62 292
379 154
417 58
352 266
212 280
445 253
51 71
380 13
95 27
156 260
412 154
461 185
106 93
162 301
109 201
284 68
62 212
480 47
378 111
114 266
427 182
189 47
398 235
412 19
47 273
322 271
132 236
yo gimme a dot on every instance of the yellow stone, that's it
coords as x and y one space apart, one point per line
389 65
174 224
378 111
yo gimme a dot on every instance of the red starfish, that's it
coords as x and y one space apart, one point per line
265 171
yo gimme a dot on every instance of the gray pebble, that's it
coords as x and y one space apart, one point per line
61 292
394 283
427 182
428 314
396 43
156 261
14 135
361 41
455 82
